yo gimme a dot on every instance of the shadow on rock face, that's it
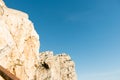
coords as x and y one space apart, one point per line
45 65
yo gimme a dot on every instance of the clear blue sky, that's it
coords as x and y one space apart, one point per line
87 30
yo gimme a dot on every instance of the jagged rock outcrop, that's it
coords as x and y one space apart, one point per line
19 50
59 67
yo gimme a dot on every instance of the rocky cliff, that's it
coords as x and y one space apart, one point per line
19 50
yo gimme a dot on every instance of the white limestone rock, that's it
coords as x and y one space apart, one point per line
19 50
55 67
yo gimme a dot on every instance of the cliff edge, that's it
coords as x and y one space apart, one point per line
19 50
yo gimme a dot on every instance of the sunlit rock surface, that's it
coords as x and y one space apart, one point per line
19 50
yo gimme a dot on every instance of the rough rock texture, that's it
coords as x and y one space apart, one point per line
59 67
19 50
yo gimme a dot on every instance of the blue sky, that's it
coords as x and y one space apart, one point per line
87 30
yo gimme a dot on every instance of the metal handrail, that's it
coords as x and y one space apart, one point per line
7 75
